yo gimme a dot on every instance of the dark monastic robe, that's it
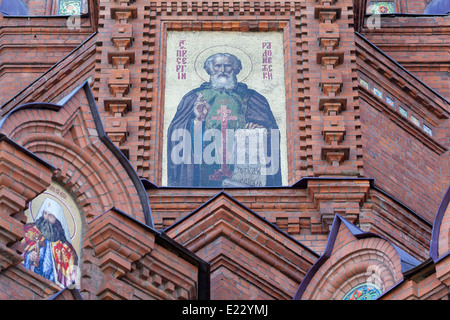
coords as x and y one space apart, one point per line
438 7
250 106
13 8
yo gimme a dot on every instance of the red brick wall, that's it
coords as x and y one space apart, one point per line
39 7
401 164
438 79
413 6
31 46
28 62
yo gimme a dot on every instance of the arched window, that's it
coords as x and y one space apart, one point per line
365 291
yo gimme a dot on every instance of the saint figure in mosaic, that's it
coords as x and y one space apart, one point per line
48 250
223 133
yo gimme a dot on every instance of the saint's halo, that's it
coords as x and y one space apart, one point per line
246 61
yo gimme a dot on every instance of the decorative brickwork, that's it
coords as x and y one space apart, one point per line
132 265
23 176
68 137
352 258
70 142
249 258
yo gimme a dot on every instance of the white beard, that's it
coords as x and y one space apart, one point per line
218 82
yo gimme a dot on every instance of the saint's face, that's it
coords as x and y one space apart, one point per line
223 66
49 217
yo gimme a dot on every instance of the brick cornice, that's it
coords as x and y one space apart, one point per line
130 260
397 25
377 63
224 218
116 246
337 196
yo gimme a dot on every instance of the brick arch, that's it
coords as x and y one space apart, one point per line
70 137
79 172
353 257
339 277
361 266
440 236
373 271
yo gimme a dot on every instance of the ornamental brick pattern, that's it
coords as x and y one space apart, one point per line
249 258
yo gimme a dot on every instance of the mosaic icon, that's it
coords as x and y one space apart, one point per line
428 130
378 93
52 236
382 7
415 121
403 112
69 7
390 102
365 291
364 83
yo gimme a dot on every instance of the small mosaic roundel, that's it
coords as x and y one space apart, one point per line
382 7
70 7
365 291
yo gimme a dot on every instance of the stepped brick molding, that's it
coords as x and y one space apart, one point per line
249 257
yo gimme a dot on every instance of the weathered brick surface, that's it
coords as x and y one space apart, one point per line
391 147
420 44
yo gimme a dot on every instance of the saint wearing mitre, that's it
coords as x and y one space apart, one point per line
48 250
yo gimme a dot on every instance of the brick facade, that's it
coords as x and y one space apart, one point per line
367 151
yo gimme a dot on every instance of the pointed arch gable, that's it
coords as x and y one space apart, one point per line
243 247
440 236
70 136
350 257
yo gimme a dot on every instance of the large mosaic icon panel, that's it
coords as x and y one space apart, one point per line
224 113
52 236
